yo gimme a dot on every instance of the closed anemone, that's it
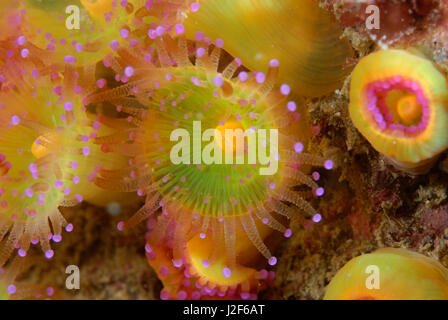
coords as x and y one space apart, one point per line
170 90
302 36
398 101
390 274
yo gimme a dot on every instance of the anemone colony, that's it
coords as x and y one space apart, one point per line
102 111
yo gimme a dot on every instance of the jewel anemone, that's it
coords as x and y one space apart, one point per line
52 25
199 276
202 281
398 101
104 25
46 142
302 36
169 90
401 275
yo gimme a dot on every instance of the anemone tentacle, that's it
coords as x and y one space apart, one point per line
11 289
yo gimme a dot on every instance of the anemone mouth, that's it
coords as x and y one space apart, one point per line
398 106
